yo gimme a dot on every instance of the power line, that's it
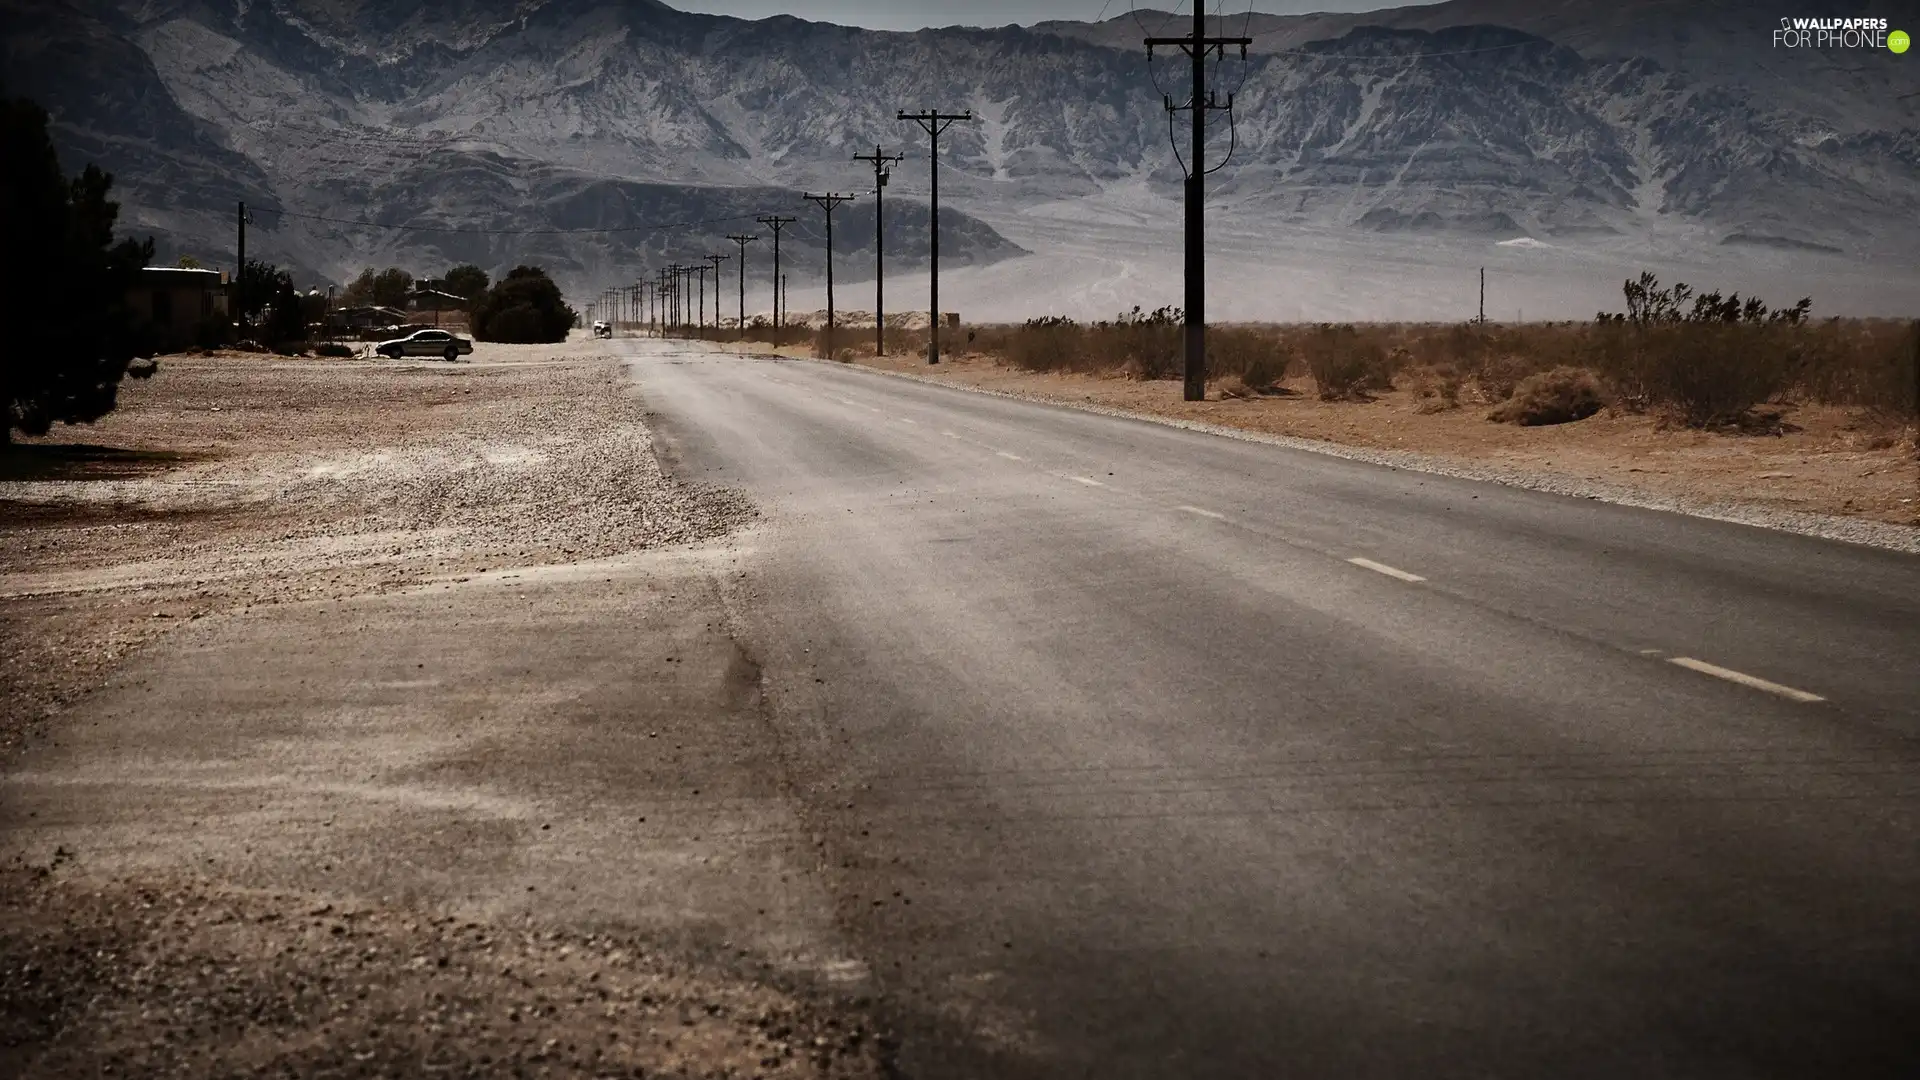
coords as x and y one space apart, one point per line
716 260
514 232
933 122
1197 47
882 173
827 203
776 223
743 241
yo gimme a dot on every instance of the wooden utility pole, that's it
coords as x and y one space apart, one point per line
716 260
933 122
776 223
1198 48
882 174
827 203
743 241
1483 296
674 273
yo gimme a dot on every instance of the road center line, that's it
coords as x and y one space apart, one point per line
1746 680
1087 480
950 434
1383 568
1009 457
904 420
1205 513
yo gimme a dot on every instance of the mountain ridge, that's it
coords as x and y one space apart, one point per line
1435 121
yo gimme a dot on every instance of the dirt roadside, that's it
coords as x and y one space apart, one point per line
1827 461
358 720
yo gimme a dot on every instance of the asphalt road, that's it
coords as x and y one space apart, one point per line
1132 751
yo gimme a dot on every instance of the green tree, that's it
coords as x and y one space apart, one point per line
188 262
526 308
383 288
72 336
469 281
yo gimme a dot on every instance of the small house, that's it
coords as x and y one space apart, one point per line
180 307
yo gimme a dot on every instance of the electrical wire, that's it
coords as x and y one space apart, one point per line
511 232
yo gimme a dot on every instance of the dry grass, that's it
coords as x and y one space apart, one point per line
1695 374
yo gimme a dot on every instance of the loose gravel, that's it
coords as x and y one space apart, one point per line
196 980
236 482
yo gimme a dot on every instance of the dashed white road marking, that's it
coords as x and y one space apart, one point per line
1009 457
1383 568
1746 680
904 420
950 435
1215 515
843 401
1087 480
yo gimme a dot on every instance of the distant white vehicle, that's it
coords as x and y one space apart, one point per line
426 343
601 329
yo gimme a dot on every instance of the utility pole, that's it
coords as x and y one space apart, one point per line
1198 48
716 260
1483 296
743 241
776 223
882 175
827 203
700 316
673 297
243 220
933 122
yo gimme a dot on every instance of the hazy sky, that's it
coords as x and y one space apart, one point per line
914 14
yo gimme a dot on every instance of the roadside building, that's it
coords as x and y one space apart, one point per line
180 307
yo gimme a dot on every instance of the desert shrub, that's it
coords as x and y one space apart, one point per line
1256 359
1871 364
1345 364
1144 344
333 350
1560 396
1050 343
1436 387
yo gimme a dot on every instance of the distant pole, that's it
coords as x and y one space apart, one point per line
776 223
882 174
1198 48
743 241
716 260
827 203
243 243
933 122
1483 296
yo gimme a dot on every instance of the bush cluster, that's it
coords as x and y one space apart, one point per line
1697 359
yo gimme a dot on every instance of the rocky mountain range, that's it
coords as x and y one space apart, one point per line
608 126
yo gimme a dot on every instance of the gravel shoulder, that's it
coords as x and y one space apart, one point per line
372 719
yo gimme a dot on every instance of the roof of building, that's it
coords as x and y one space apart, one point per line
184 275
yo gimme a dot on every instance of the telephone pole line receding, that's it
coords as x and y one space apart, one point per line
882 175
1198 48
716 260
933 122
827 202
776 223
743 241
